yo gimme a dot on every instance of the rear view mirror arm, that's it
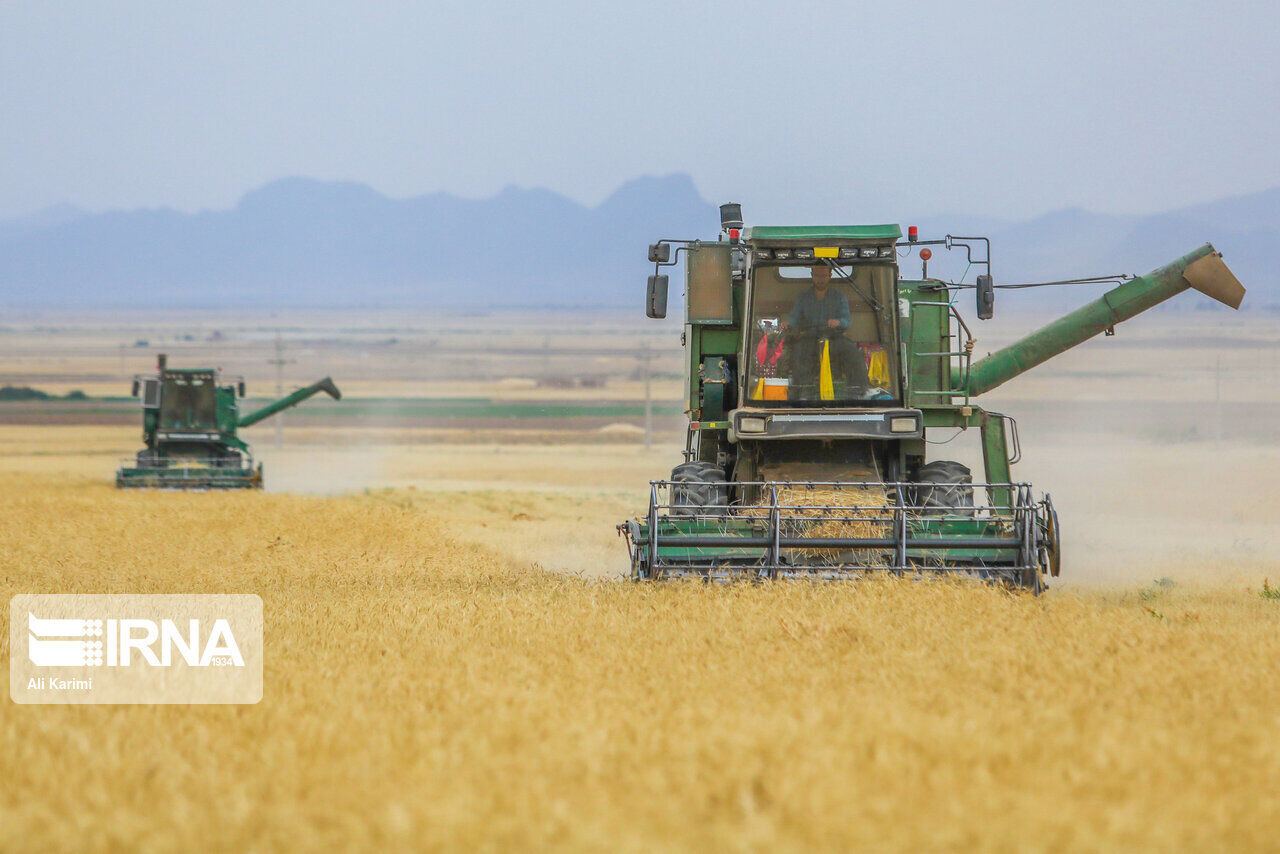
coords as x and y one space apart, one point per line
656 255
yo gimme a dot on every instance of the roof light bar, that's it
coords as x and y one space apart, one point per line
805 253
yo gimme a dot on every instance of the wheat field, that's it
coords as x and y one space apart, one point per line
429 687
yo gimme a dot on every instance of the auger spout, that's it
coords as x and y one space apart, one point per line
1202 269
325 385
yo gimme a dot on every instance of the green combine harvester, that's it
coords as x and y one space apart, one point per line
815 374
189 424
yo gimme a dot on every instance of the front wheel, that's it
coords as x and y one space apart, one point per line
149 459
944 486
699 487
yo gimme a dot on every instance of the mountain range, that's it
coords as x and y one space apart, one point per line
299 242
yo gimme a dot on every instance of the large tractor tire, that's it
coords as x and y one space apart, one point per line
946 487
701 487
148 459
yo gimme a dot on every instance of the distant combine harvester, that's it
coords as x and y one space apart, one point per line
189 422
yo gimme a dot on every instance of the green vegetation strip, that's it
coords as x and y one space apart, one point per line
476 407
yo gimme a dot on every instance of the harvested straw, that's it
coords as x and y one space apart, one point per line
833 511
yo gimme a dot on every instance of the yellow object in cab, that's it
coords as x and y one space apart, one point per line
878 370
826 388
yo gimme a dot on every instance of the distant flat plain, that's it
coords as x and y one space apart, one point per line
1160 445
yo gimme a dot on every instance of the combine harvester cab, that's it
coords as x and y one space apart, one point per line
815 373
189 421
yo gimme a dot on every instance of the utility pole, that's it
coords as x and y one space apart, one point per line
279 361
648 399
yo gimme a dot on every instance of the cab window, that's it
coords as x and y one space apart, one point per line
822 335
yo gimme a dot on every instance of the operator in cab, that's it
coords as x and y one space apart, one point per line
822 314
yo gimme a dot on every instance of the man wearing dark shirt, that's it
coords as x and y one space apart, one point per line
822 313
820 307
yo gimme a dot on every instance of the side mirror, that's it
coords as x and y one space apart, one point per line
656 301
986 298
241 388
134 393
659 253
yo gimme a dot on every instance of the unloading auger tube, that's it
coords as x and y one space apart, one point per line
796 470
1202 269
325 385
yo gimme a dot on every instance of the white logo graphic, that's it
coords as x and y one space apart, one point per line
135 648
47 644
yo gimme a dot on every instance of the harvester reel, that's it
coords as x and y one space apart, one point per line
699 487
946 486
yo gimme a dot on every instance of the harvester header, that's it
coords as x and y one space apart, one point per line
815 374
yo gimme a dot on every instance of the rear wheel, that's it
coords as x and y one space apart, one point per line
699 487
944 486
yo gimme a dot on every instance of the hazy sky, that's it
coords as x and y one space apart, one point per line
802 111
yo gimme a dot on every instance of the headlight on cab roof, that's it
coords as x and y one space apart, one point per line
751 425
902 424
